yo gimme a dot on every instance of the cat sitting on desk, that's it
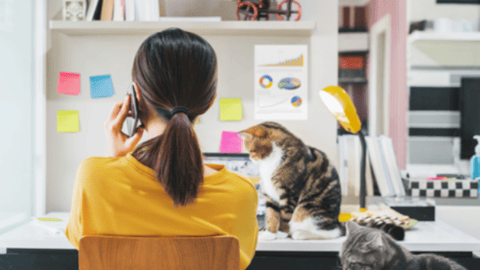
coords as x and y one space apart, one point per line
300 184
372 249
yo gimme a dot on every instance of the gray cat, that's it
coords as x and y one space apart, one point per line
372 249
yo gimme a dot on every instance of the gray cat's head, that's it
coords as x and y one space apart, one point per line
364 248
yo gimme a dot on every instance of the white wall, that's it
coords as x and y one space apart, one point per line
96 55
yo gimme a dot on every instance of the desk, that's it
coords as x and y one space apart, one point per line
33 247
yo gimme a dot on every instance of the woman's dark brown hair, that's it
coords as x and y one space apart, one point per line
175 68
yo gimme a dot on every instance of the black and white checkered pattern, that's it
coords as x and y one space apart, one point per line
445 189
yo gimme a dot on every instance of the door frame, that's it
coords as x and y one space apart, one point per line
382 26
40 109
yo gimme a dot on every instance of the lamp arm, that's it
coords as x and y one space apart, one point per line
363 184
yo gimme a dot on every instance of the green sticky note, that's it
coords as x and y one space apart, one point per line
68 121
231 109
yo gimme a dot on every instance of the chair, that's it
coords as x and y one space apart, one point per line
159 253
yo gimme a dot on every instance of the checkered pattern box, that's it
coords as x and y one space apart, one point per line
444 189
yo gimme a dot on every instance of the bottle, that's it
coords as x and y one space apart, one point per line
475 162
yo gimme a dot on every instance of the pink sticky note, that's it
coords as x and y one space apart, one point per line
230 142
68 83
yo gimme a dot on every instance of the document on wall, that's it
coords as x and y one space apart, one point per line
281 82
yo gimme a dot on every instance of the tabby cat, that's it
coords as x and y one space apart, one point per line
372 249
300 184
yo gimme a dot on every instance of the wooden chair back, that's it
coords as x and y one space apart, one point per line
159 253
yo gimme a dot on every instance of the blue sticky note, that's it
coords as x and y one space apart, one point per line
101 86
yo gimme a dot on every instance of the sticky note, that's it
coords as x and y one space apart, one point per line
68 83
230 142
49 219
101 86
230 109
68 121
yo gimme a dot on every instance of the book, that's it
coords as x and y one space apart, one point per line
343 164
118 11
130 10
107 10
140 9
148 12
358 161
350 167
154 10
94 10
377 166
391 187
393 165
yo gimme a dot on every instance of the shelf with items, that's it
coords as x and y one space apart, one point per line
263 28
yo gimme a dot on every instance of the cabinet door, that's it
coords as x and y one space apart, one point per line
16 111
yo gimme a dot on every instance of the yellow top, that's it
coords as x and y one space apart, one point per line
121 196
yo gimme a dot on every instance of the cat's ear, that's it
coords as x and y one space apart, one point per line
377 242
255 131
351 227
244 134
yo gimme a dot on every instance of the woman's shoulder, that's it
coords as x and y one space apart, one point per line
94 168
244 183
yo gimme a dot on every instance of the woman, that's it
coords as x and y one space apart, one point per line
163 187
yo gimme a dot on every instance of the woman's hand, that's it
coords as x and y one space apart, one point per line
119 144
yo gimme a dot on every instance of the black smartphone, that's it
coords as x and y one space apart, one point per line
132 122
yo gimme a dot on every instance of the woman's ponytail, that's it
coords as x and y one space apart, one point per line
176 72
180 168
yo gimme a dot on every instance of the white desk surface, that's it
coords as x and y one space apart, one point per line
426 236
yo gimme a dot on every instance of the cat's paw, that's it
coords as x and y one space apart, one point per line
282 235
267 236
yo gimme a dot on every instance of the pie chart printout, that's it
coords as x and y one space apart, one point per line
266 81
296 101
289 83
280 82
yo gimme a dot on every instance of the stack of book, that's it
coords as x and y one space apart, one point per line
123 10
352 68
353 19
381 166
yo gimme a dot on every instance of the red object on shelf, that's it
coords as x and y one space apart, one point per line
352 62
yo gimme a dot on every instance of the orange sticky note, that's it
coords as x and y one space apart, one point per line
68 83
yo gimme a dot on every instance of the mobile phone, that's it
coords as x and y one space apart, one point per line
131 123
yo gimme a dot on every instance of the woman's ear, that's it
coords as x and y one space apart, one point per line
137 91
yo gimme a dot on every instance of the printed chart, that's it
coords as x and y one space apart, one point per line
281 79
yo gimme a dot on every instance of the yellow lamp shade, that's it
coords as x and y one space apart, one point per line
341 106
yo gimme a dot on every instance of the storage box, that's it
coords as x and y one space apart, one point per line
443 188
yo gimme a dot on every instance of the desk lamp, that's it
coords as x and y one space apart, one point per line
341 106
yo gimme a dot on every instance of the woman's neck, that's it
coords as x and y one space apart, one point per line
154 128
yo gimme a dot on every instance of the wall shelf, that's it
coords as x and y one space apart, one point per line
422 37
263 28
437 49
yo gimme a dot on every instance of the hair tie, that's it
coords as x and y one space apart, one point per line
179 109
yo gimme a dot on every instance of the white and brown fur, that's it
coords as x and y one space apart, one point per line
372 249
300 184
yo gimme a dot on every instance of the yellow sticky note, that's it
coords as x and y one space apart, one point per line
67 121
231 109
49 219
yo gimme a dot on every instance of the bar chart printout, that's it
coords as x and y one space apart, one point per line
281 82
